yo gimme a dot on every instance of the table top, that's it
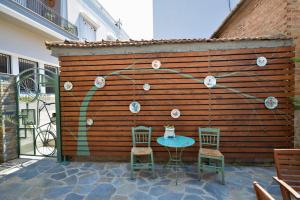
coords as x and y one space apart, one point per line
177 142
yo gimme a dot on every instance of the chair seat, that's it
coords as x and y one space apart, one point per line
210 152
141 150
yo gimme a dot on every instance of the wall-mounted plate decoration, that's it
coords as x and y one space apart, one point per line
261 61
68 86
89 121
134 107
156 64
210 81
99 82
271 103
175 113
146 86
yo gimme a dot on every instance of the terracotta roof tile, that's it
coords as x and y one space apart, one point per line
119 43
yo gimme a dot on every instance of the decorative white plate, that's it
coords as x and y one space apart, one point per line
210 81
68 86
271 103
156 64
134 107
89 121
146 86
99 82
175 113
261 61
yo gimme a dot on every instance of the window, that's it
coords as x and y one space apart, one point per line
50 88
5 66
29 77
87 30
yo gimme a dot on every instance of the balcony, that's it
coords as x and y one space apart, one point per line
40 12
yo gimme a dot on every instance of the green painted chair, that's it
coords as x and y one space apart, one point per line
141 140
209 157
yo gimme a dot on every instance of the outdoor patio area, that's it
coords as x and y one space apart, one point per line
47 179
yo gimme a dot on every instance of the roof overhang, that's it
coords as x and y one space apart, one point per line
72 48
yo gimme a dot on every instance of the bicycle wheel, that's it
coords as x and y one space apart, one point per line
46 143
29 90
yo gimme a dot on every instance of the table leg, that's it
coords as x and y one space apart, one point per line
175 159
176 166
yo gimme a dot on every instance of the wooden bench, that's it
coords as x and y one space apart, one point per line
261 193
287 163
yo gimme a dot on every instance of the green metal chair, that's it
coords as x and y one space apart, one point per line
209 139
141 140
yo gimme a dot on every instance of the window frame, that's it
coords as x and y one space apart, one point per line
47 66
36 65
8 63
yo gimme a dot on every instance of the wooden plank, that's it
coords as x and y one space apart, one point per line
145 102
249 131
179 76
117 81
131 64
79 92
117 107
186 68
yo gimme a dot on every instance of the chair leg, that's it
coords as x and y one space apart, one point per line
131 166
152 165
199 168
222 172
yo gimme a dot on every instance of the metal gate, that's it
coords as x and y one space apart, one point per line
38 113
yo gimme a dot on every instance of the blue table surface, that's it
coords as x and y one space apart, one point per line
177 142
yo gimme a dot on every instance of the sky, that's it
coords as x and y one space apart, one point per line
137 17
181 19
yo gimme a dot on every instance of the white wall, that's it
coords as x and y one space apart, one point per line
77 7
19 40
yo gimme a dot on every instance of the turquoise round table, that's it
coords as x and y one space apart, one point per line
179 143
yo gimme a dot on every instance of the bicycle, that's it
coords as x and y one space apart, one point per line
45 139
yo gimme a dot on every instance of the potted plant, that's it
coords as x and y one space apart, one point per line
50 16
169 131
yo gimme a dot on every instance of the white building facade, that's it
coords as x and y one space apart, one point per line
25 25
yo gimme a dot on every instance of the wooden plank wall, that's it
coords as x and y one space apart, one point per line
249 131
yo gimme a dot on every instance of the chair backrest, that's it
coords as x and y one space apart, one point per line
209 137
287 162
261 193
141 135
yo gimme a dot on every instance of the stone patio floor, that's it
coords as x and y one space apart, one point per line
47 179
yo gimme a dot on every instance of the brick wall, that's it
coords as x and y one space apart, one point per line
8 125
257 18
293 23
268 17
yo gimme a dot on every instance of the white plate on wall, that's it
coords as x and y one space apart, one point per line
210 81
135 107
261 61
146 86
89 121
156 64
99 82
175 113
271 103
68 86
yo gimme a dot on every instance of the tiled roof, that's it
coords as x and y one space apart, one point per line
118 43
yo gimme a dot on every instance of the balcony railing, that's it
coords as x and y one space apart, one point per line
43 10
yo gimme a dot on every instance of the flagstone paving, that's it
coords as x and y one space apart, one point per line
47 179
